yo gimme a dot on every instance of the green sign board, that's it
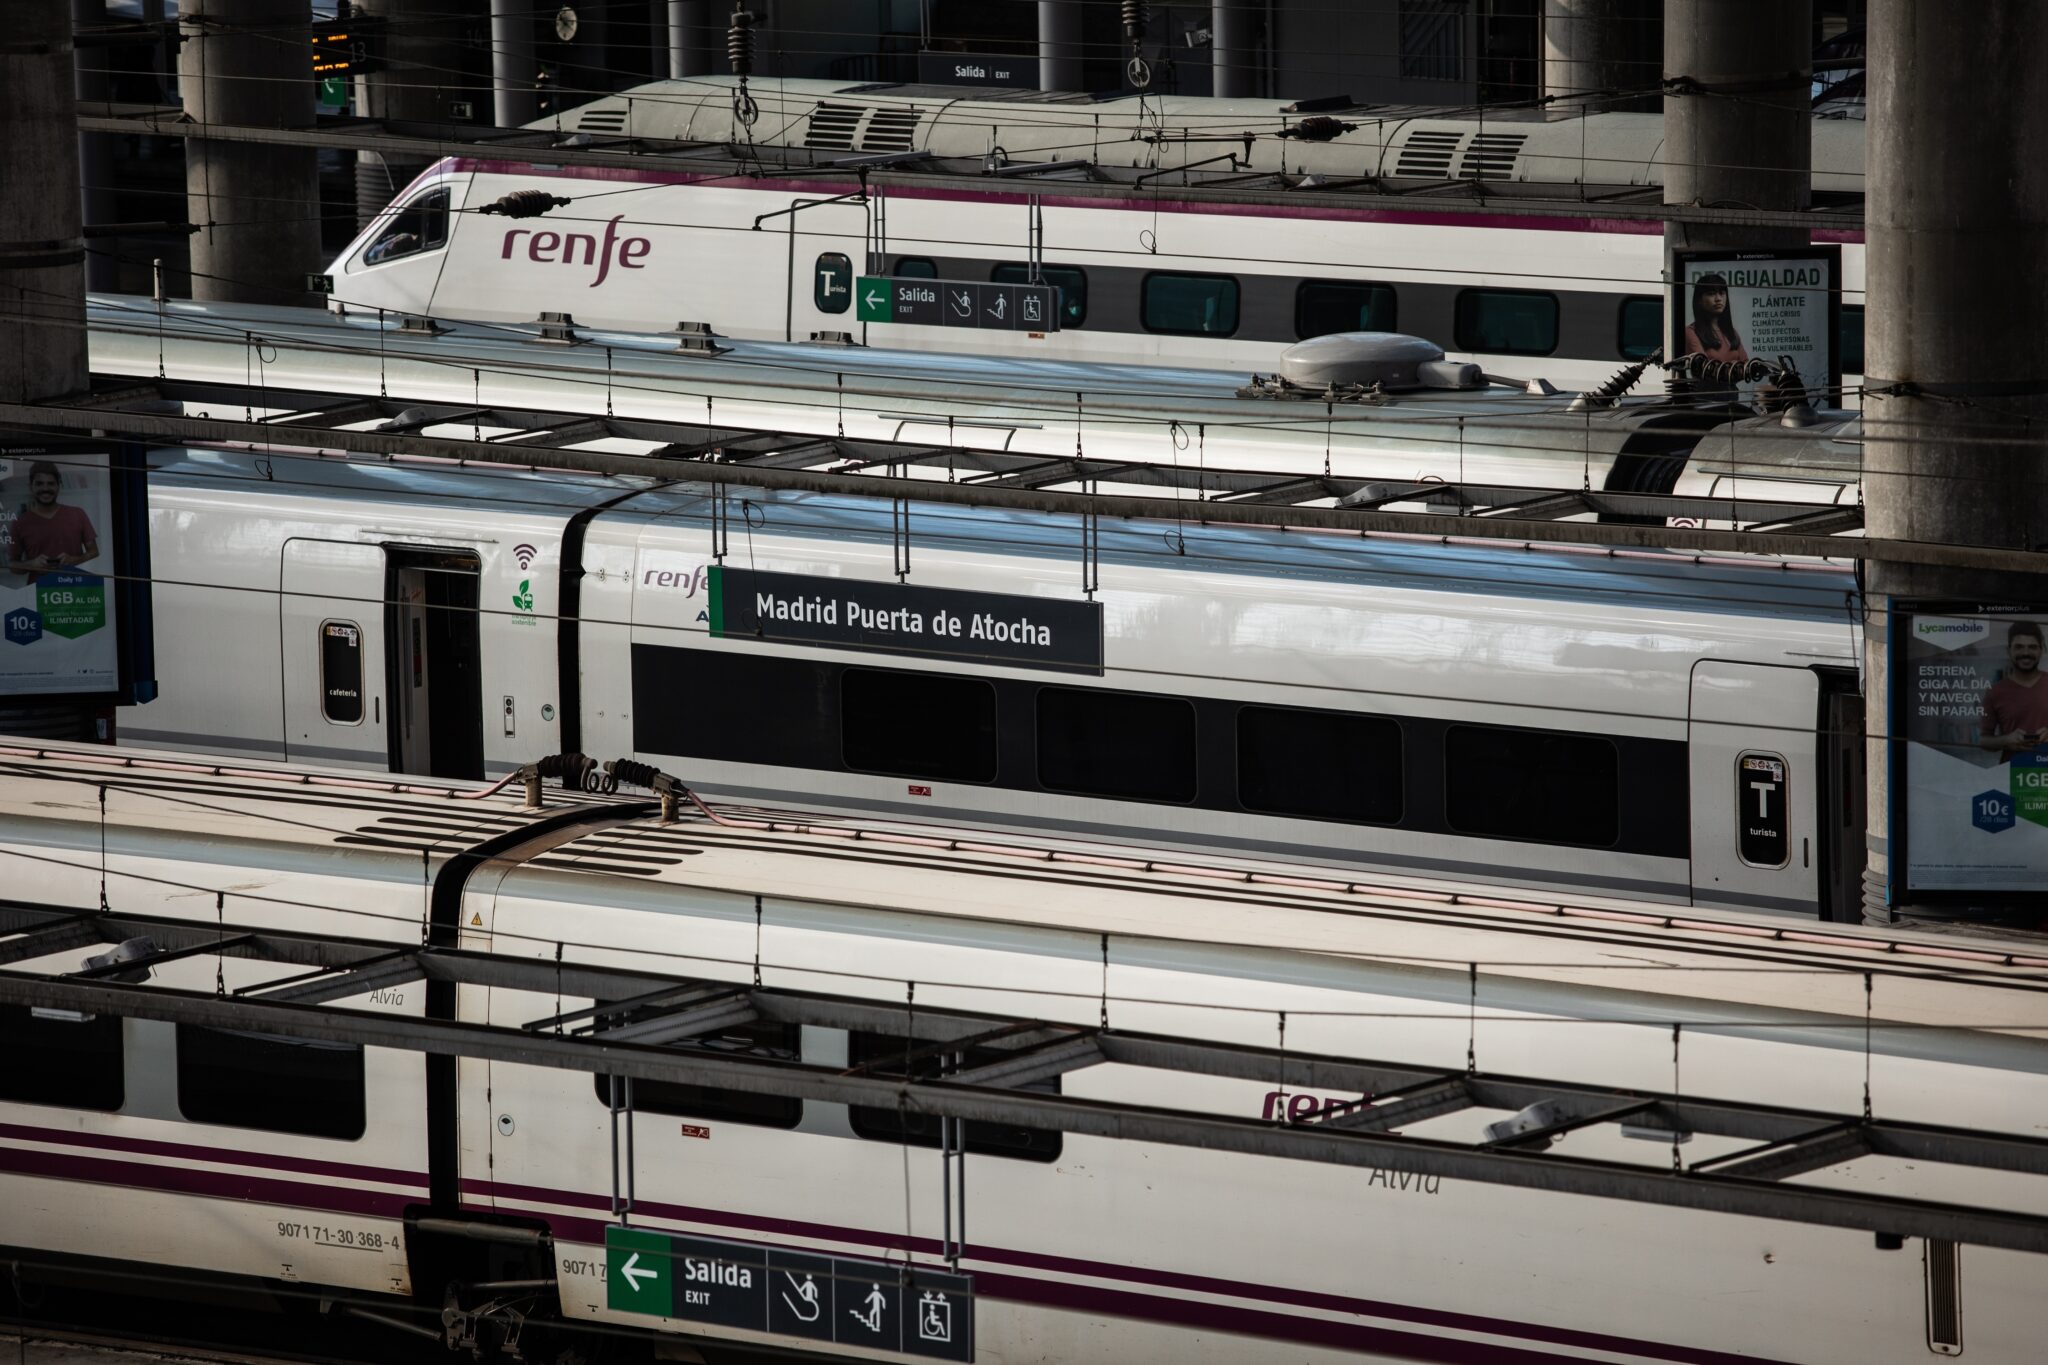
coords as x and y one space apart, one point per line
958 303
906 1310
72 604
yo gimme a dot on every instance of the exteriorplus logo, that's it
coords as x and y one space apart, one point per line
581 248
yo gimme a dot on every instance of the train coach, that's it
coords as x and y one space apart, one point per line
1635 724
500 1196
1408 219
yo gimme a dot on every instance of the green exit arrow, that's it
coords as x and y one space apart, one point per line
637 1272
877 300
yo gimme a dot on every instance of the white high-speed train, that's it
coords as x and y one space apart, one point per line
213 1153
1589 719
1303 237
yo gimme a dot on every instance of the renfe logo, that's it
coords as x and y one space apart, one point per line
562 248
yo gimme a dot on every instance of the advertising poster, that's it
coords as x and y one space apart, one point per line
58 634
1761 306
1972 710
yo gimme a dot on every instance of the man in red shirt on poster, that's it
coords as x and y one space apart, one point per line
48 534
2016 706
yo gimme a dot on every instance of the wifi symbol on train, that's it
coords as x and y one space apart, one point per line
524 554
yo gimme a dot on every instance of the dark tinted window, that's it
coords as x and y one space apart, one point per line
1325 306
1072 284
1540 785
1506 322
420 226
341 672
1190 305
1116 744
1851 338
262 1080
884 1056
762 1040
916 268
71 1062
919 725
832 283
1642 327
1327 765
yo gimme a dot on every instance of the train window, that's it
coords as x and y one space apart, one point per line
1071 281
420 226
883 1055
1124 744
267 1081
918 725
1849 341
761 1040
1506 322
55 1057
1325 765
916 268
832 283
1325 306
1189 305
1642 327
341 672
1544 786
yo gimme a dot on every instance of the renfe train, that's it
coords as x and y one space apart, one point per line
476 1196
1220 278
1636 724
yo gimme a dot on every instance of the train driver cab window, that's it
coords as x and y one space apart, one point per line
1189 305
421 225
1325 306
832 283
1506 322
916 268
341 672
1642 327
61 1058
762 1040
884 1055
1071 281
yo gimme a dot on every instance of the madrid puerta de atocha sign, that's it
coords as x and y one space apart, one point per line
904 618
909 1310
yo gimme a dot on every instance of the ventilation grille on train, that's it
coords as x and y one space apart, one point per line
889 130
602 121
1427 155
1944 1297
832 127
1491 156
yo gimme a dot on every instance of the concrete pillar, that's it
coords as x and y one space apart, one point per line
95 150
1956 233
257 207
42 251
1233 48
514 98
1596 46
426 64
1745 138
692 45
1059 45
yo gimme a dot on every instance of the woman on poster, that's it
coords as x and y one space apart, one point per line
1712 330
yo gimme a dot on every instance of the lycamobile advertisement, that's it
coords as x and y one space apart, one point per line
1975 721
56 611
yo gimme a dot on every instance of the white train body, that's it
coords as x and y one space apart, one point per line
1578 286
1082 1248
573 613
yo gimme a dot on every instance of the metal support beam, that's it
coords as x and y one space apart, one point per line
1815 1151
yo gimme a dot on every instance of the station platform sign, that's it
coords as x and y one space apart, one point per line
880 1306
958 303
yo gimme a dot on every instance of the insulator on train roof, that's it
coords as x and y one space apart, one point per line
1321 128
1137 15
525 204
1620 382
739 41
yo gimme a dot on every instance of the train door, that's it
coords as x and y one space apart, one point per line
827 251
437 719
1755 787
331 631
